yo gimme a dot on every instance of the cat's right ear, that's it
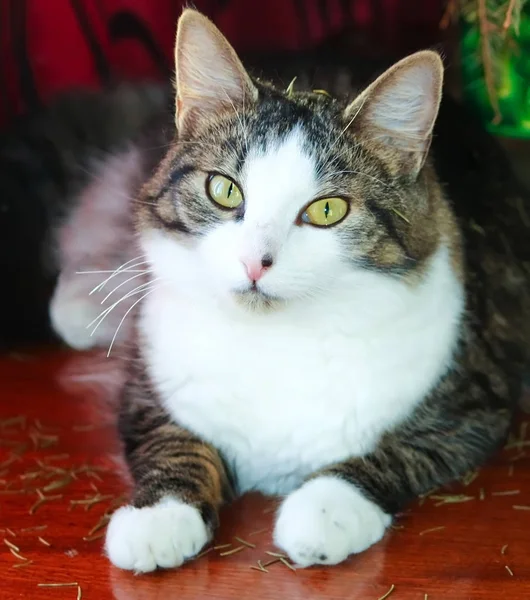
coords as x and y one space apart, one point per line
396 113
209 75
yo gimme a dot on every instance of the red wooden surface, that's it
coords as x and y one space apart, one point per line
68 428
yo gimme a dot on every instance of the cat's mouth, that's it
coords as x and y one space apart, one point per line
255 297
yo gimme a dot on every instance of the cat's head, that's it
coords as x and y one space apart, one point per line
271 196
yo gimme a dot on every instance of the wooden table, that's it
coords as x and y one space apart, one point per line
63 444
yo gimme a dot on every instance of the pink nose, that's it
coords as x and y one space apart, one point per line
257 268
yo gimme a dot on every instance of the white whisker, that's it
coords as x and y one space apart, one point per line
242 127
119 270
107 271
125 316
102 316
123 283
347 126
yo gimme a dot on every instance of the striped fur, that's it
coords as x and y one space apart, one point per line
408 212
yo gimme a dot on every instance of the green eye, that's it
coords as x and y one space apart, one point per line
325 212
224 191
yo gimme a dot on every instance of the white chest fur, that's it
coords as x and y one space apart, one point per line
285 393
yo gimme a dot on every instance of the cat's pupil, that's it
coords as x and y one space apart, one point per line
326 210
230 188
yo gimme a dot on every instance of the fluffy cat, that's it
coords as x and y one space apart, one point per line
314 321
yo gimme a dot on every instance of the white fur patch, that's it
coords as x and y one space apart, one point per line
325 521
163 535
347 356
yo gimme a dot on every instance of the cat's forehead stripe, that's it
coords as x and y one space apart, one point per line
279 176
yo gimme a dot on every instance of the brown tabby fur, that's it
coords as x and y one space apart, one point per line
466 417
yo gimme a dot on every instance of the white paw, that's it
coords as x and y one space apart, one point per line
326 520
164 535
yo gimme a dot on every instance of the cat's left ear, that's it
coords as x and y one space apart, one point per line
395 115
210 76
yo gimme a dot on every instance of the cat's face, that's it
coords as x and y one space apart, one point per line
270 197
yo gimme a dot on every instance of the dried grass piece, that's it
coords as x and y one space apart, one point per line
272 562
31 475
43 541
79 593
506 493
18 420
519 444
58 585
503 549
15 553
470 477
518 456
100 524
260 567
41 427
509 570
42 500
42 441
92 538
269 510
482 494
10 460
37 528
392 588
12 492
82 428
56 457
244 542
11 545
521 507
22 564
276 554
432 529
221 546
451 498
400 214
88 503
285 562
233 551
203 553
258 531
11 533
51 469
58 484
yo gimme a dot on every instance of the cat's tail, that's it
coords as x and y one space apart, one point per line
47 159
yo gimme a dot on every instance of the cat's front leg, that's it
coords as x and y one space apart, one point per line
180 483
346 508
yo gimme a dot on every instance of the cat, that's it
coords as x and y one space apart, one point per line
313 322
314 317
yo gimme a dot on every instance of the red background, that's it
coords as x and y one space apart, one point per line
47 46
